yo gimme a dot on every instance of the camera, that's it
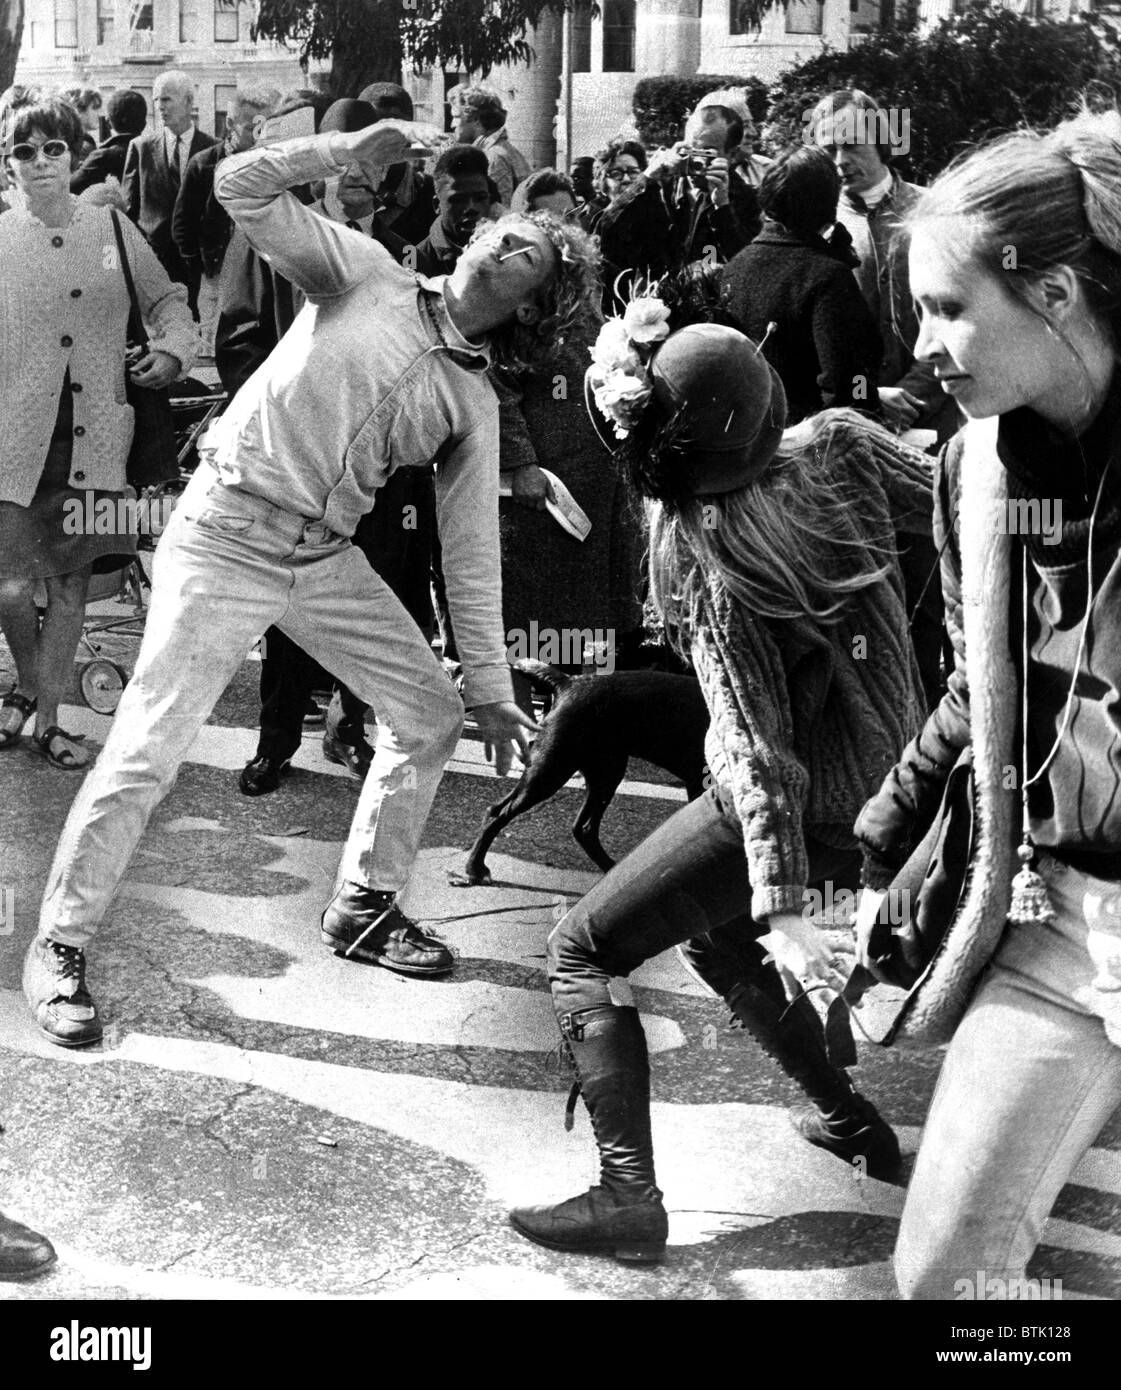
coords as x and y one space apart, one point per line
699 160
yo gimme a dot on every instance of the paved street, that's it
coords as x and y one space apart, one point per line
264 1119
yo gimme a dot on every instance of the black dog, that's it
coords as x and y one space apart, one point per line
595 725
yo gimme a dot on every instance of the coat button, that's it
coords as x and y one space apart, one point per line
79 430
66 340
76 386
75 294
56 241
79 477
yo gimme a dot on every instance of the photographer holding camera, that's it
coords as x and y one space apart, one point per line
684 206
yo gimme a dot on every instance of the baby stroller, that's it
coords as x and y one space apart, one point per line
101 677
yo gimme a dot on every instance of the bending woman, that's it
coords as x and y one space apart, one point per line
1027 346
772 561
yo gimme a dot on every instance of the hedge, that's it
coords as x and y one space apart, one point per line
661 104
974 76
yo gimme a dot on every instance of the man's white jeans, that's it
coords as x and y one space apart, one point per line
228 566
1029 1080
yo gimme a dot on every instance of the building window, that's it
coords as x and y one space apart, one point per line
140 17
190 25
581 21
105 16
618 35
737 17
865 16
226 21
66 23
804 16
223 97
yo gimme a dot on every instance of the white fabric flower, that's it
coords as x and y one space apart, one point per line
646 320
613 350
621 396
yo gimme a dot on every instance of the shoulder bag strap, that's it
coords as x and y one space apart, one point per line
141 335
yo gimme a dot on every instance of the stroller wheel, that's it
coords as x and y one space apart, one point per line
101 683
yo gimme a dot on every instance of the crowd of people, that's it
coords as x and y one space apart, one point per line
416 336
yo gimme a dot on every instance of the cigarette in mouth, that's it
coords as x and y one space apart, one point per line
521 251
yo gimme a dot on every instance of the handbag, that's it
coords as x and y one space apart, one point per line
154 455
921 903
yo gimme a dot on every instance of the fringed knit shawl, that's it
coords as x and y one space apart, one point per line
935 1008
807 719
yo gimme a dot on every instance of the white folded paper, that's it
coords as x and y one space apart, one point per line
559 503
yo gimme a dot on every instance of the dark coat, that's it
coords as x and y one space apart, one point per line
200 226
826 346
107 161
652 229
150 188
548 577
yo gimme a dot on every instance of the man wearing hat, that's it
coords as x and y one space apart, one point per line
764 575
382 369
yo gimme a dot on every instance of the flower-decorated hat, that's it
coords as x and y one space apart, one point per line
726 401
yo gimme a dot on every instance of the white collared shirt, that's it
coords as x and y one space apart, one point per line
169 139
878 192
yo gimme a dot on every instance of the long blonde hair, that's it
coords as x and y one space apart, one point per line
789 545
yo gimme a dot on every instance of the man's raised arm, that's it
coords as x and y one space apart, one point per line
320 256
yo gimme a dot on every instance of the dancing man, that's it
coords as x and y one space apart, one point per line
382 369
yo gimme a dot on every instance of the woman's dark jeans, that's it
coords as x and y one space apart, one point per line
686 883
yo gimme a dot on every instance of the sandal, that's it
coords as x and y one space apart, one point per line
65 760
10 737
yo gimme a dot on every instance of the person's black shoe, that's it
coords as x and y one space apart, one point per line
599 1223
54 984
24 1253
363 924
262 775
856 1134
355 757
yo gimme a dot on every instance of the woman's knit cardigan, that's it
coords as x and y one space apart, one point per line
64 305
807 719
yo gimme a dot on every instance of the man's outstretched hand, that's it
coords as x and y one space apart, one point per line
505 728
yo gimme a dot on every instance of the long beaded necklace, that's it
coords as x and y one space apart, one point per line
1030 902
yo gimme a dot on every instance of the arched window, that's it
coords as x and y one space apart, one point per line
618 35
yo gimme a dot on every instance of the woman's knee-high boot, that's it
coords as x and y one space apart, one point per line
623 1215
841 1120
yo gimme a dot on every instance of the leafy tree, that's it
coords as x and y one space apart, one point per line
975 76
367 39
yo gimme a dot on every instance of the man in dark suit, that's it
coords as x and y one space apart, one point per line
128 115
200 225
154 169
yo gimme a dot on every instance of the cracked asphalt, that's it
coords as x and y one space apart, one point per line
266 1120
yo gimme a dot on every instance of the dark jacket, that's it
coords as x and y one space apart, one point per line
652 229
150 189
880 241
107 161
825 346
437 253
200 225
255 309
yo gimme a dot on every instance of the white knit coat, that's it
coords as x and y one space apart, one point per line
63 304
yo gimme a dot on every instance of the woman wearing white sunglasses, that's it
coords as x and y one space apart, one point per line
63 321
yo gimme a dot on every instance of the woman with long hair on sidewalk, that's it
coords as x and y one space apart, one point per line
772 561
1016 268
